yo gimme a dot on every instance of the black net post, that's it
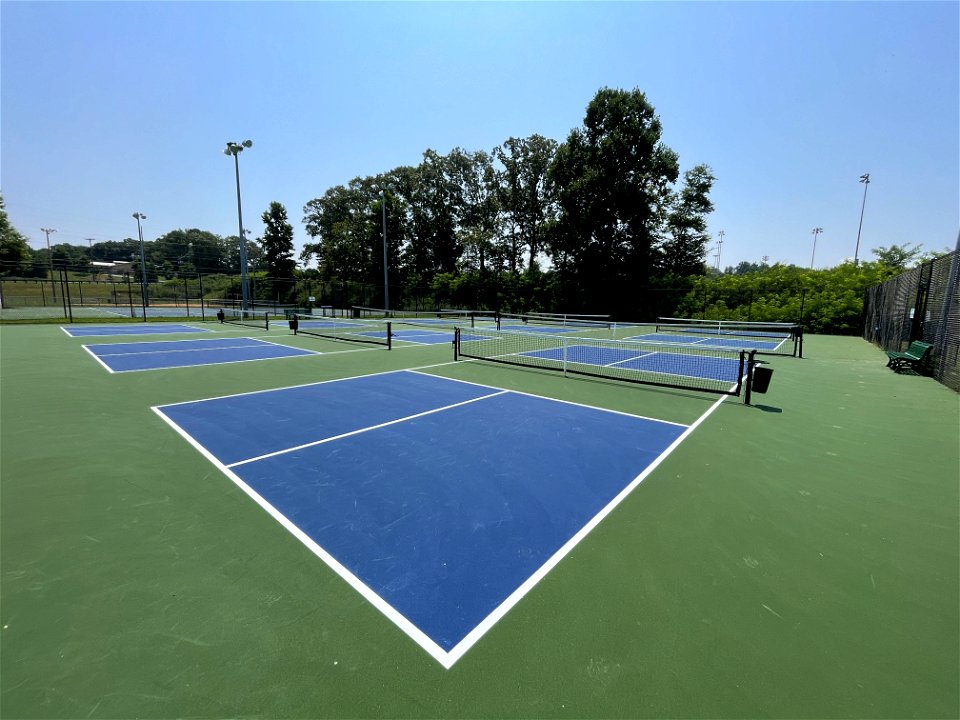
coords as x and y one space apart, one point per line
751 363
389 336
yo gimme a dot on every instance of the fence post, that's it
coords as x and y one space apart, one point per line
68 303
920 304
63 295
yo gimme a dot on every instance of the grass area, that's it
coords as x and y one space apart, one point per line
798 558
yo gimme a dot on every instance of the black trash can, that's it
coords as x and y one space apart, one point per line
294 323
761 379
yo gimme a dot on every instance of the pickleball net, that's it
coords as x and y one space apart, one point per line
555 319
441 319
707 369
768 338
247 318
354 330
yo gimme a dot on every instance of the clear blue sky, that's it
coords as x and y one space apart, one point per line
112 108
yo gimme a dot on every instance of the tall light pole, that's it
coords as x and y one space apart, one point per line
144 293
865 179
719 246
50 259
386 282
235 149
816 231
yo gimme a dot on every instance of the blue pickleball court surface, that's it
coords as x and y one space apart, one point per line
437 499
732 343
663 363
165 354
131 329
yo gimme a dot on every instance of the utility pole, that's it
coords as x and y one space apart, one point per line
53 285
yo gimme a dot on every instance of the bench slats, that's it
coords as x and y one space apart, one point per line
914 355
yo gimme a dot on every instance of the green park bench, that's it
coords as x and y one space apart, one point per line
913 357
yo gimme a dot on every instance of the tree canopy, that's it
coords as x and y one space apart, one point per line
602 222
13 245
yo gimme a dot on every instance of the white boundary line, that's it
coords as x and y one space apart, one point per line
306 353
446 658
488 622
163 351
547 397
97 358
321 382
66 329
366 429
301 352
417 635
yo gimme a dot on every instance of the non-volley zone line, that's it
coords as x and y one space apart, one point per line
398 461
131 329
168 354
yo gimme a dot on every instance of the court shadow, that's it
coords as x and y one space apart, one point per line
768 408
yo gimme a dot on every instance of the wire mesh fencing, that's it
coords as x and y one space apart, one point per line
920 304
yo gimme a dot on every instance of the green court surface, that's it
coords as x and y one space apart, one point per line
794 559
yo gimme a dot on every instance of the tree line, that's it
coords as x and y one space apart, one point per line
603 222
582 224
178 253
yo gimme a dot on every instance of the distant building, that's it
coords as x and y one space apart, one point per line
115 270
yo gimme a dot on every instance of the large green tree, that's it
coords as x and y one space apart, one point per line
526 193
188 251
479 221
277 242
436 209
613 178
682 250
13 245
898 257
341 225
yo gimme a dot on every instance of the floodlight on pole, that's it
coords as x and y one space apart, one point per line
235 149
865 179
144 293
816 231
719 247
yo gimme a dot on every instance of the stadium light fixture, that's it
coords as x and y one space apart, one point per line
235 149
144 293
816 231
865 179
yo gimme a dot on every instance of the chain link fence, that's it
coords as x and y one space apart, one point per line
920 304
